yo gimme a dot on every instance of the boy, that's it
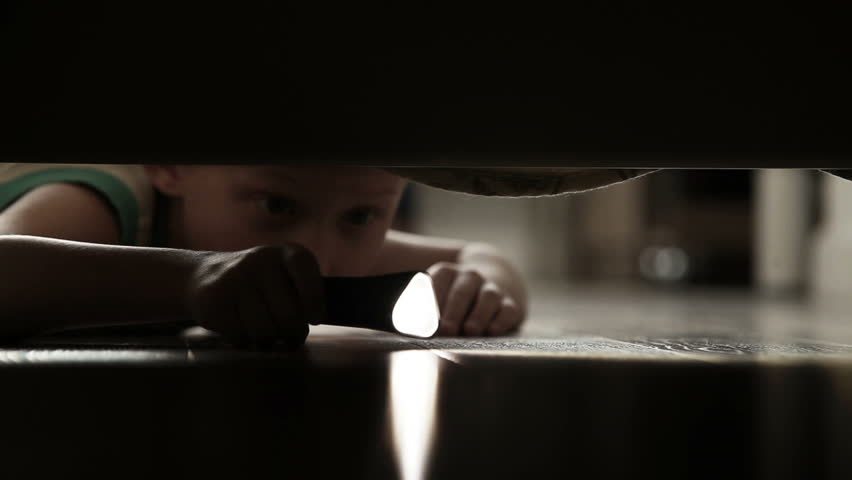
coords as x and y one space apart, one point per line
239 250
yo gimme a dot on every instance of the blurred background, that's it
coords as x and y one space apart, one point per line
778 232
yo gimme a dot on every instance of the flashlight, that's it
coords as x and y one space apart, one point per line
403 303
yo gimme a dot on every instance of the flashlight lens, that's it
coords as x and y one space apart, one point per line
416 310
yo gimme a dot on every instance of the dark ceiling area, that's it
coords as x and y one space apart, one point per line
589 84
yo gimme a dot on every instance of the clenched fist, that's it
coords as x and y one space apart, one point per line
258 296
471 305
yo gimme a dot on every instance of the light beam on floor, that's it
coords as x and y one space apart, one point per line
413 393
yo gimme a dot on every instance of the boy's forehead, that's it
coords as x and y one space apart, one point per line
360 179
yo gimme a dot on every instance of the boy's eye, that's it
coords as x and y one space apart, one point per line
360 216
277 205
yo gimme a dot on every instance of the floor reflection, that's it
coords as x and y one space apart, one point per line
81 356
412 393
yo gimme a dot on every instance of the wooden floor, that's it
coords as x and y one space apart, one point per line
599 384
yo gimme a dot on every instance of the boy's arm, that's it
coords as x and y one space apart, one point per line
50 284
438 256
50 280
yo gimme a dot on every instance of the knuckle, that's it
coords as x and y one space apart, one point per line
473 276
442 268
510 307
490 294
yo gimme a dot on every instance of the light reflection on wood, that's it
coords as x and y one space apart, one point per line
88 356
413 392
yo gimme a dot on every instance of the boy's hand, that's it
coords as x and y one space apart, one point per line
470 304
258 296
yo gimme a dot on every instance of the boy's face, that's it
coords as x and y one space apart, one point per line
341 214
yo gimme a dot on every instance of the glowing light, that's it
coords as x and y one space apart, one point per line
416 310
413 391
668 264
